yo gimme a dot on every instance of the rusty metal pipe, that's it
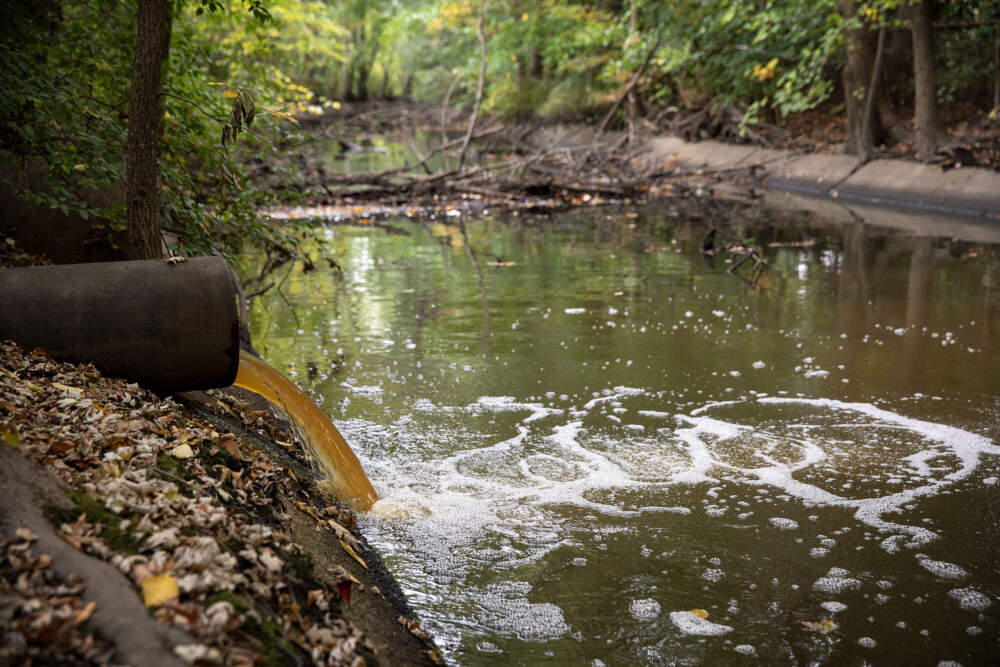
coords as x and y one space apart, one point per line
169 327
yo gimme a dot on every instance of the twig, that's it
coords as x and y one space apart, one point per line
416 151
621 98
218 119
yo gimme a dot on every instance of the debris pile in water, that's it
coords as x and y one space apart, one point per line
198 523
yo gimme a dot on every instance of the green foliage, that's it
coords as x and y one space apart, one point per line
64 112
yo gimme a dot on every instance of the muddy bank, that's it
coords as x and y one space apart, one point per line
136 529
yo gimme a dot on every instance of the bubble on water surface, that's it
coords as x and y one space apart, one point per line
646 609
833 606
690 624
745 649
836 581
970 599
783 523
505 608
713 574
942 569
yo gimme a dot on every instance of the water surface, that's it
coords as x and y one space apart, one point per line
594 430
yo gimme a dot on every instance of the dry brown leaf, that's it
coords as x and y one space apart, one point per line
352 553
229 443
81 616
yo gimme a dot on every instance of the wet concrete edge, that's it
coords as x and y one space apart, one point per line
880 189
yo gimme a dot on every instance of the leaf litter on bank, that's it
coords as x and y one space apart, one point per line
193 519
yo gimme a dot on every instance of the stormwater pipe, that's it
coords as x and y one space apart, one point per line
168 326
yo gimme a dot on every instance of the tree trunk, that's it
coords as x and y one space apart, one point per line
858 68
926 121
632 99
152 47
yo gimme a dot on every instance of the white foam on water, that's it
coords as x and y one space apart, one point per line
783 523
646 609
505 608
500 506
867 642
690 624
970 599
836 581
942 569
833 606
713 574
745 649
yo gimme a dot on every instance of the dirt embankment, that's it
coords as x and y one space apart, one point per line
139 529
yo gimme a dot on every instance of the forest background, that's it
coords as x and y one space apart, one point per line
232 80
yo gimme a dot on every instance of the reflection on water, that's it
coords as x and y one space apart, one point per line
595 432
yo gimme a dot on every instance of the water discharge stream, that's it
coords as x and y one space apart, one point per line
327 445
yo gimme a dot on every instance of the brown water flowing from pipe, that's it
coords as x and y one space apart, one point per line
327 445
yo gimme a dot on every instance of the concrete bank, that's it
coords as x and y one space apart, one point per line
962 202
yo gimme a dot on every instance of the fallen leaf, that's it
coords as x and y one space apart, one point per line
343 533
344 588
66 387
700 613
825 626
352 553
61 447
11 438
158 589
80 617
228 443
182 452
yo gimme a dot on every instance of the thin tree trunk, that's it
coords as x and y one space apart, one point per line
152 48
480 85
858 69
925 82
632 106
869 118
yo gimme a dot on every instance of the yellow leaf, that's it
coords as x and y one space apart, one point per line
280 114
524 17
59 385
335 105
158 589
352 553
700 613
230 93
